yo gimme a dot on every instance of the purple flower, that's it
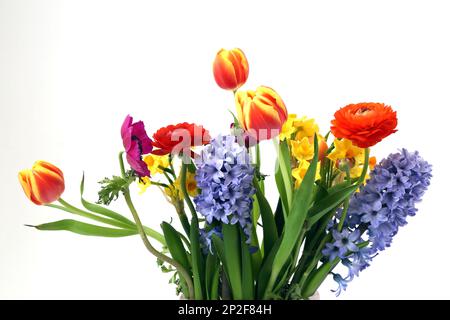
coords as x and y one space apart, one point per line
346 239
136 143
332 251
389 197
342 283
225 176
379 210
344 243
206 238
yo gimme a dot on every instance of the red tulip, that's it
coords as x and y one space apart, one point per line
43 183
261 112
230 69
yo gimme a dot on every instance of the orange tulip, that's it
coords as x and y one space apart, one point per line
261 112
230 69
43 183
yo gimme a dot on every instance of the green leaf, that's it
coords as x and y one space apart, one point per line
220 251
328 203
212 277
266 268
269 227
236 123
102 210
281 189
279 218
191 168
294 224
84 229
232 251
284 158
175 245
247 270
112 187
197 260
317 277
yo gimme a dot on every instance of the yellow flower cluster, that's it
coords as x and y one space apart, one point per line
156 165
299 134
345 153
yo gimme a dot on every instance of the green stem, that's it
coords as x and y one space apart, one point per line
185 223
182 271
346 202
366 166
258 156
168 177
186 196
122 166
149 231
159 184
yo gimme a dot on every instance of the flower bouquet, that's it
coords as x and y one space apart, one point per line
336 205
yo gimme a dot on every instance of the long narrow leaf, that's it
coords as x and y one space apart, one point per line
175 245
328 203
211 277
197 260
265 271
85 229
247 270
284 156
268 220
281 189
102 210
294 224
232 250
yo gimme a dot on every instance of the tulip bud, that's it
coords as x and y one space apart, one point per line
323 147
43 183
230 69
261 112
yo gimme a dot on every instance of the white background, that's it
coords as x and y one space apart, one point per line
71 70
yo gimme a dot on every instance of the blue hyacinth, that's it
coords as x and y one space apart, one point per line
381 208
206 238
225 176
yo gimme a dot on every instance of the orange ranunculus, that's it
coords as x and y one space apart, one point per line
230 69
261 112
365 124
43 183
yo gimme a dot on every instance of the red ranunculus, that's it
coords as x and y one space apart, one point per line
365 124
179 138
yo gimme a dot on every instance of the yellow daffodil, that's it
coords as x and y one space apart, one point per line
305 128
288 128
301 127
191 185
302 149
156 164
143 184
344 149
300 172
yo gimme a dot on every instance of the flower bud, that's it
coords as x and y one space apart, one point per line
43 183
230 69
261 112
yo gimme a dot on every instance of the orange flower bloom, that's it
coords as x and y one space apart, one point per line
43 183
230 69
262 112
365 124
